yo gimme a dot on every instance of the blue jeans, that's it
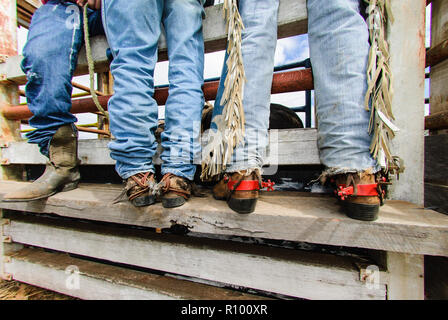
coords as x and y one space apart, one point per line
259 39
133 29
339 50
50 55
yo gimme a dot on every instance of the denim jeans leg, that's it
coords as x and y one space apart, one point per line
133 30
50 56
180 139
339 49
259 41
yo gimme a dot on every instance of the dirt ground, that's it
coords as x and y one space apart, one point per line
13 290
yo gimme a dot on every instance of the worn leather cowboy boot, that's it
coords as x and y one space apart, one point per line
140 189
176 190
361 194
241 190
61 172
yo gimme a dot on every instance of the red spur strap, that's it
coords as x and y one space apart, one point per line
363 190
250 185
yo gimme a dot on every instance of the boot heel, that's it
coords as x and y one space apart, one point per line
363 212
242 206
173 202
144 201
70 186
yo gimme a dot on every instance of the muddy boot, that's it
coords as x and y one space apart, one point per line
61 172
140 188
361 195
176 190
240 190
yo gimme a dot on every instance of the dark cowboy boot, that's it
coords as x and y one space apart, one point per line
140 189
361 194
175 190
61 172
241 190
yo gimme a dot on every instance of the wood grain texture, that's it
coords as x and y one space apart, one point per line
439 72
286 147
401 227
406 36
283 271
406 276
438 100
99 281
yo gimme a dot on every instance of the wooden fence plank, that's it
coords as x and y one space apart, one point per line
95 281
283 271
406 280
407 64
294 216
287 147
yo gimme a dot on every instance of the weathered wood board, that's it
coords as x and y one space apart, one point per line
401 227
286 147
407 64
438 100
95 281
439 72
284 271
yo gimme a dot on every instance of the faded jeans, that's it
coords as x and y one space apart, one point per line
259 39
339 48
50 55
133 29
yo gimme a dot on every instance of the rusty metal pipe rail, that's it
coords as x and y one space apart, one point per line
291 81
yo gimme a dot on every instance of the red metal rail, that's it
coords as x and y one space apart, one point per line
290 81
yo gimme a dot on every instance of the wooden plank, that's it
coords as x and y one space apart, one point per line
407 63
9 130
439 22
96 281
401 227
437 121
282 271
286 147
438 99
436 159
292 20
406 276
437 54
439 73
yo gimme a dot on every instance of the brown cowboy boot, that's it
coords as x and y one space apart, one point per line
139 189
241 190
176 190
361 194
61 172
